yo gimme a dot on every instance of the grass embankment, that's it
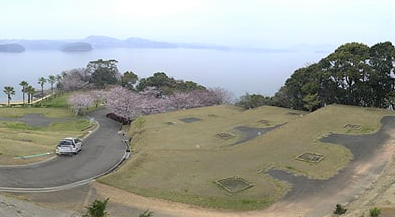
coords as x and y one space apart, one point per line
181 161
19 139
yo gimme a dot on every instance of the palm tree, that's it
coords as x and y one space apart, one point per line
42 81
30 91
59 85
9 91
51 80
23 84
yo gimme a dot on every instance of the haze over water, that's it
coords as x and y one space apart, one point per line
236 71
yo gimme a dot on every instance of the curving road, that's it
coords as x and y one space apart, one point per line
102 151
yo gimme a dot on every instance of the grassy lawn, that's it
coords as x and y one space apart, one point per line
181 161
20 139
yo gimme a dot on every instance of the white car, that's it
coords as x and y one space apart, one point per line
68 146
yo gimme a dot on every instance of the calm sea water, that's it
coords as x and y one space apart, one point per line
238 72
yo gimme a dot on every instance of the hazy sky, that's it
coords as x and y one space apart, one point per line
259 23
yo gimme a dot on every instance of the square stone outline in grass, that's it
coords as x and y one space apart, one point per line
241 184
310 157
225 136
189 119
352 126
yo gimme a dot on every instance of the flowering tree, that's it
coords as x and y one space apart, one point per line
80 101
183 100
99 96
124 103
74 79
219 96
199 98
153 105
129 104
153 102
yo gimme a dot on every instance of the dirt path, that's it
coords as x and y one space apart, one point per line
365 183
365 191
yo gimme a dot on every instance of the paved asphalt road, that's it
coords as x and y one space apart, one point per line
101 151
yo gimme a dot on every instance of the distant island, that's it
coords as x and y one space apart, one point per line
76 47
11 48
104 42
96 42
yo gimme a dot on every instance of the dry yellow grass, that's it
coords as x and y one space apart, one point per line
180 161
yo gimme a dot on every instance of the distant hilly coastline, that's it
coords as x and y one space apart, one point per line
96 42
104 42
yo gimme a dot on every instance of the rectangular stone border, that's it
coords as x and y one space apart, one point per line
353 126
321 157
248 185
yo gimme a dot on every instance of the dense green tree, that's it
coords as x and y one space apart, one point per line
129 79
282 98
23 84
187 86
103 72
167 85
311 101
159 80
353 74
250 101
381 81
348 67
302 82
9 91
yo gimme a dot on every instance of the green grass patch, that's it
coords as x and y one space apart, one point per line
20 139
8 112
72 125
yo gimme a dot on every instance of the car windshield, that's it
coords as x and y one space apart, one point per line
64 143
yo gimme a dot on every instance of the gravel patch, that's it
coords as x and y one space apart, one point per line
35 120
363 169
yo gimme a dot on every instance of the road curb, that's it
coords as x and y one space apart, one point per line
51 158
66 186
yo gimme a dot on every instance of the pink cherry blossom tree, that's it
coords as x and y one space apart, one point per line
124 103
183 100
199 98
130 104
99 96
214 96
79 102
74 79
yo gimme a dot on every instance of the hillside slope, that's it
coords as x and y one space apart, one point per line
180 155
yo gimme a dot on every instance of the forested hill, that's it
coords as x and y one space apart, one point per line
11 48
354 74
